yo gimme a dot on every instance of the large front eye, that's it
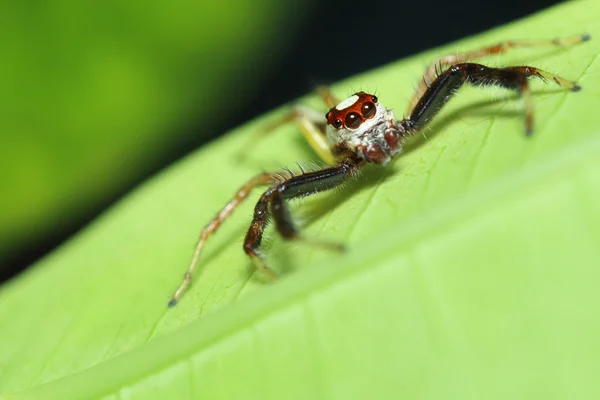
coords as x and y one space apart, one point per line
353 120
368 110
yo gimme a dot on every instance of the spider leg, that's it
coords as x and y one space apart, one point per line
276 197
328 98
214 224
311 123
448 82
253 239
441 64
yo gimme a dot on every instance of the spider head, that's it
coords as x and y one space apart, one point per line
351 113
361 125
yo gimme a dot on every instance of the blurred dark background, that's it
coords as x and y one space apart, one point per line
96 98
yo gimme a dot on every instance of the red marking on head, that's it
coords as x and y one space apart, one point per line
353 116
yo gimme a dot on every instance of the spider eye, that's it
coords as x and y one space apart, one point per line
336 123
368 110
374 99
353 120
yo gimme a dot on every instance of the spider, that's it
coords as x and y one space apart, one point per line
360 130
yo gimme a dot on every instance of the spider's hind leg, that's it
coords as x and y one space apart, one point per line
213 226
311 122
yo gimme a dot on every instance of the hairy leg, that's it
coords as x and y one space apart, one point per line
448 82
215 223
276 197
443 63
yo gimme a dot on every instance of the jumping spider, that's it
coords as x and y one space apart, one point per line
360 130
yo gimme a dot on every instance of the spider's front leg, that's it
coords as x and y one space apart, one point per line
274 202
442 63
439 92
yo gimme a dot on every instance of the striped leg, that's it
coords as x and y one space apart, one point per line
215 223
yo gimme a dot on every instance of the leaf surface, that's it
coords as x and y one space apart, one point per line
472 270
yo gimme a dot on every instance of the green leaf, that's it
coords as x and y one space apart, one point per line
472 270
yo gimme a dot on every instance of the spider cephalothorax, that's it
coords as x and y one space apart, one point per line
360 130
362 126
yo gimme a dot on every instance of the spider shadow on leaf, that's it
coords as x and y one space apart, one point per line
483 108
